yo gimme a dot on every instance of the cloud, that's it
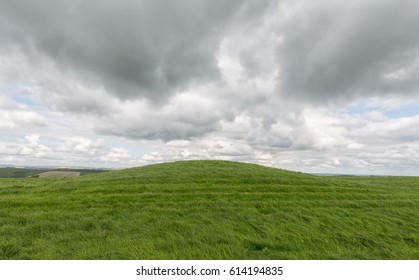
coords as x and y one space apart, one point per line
316 51
332 50
31 148
305 85
389 131
186 116
13 115
83 146
12 119
135 48
116 155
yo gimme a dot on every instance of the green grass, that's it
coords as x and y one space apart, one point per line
209 210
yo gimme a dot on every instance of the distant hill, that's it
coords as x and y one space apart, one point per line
13 172
17 172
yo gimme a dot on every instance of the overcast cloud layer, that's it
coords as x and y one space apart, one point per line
315 86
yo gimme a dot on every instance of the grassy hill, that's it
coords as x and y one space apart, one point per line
13 172
209 210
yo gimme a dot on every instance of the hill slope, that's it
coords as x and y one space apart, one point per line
209 210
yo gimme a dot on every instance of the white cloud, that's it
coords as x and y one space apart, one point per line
10 119
83 145
153 157
32 147
116 155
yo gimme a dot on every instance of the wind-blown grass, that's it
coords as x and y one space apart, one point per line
209 210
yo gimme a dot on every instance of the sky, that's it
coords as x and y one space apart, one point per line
322 86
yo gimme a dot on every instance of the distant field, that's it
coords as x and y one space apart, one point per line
209 210
13 172
58 174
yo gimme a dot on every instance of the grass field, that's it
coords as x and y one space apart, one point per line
209 210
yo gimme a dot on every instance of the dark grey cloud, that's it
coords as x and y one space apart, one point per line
334 50
136 48
329 50
159 128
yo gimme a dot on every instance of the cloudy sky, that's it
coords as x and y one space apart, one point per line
314 86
